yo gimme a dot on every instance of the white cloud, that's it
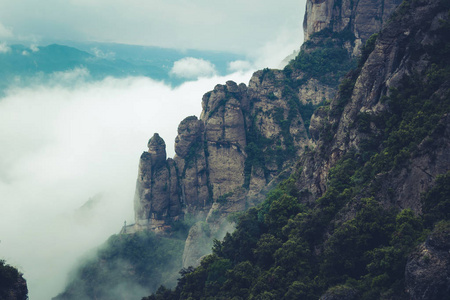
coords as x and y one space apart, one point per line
70 78
34 48
239 65
4 48
64 144
192 68
100 54
274 52
5 32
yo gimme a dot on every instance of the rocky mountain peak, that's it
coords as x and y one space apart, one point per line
157 150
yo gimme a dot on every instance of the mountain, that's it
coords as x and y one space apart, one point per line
340 162
21 64
365 214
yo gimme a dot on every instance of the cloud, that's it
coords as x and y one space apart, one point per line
192 68
274 52
5 32
239 65
238 26
100 54
65 144
4 48
34 48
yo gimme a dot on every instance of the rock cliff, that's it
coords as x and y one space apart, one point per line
360 18
428 269
368 96
360 156
157 179
244 139
250 137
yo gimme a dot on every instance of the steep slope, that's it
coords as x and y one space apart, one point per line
384 95
351 221
345 158
248 138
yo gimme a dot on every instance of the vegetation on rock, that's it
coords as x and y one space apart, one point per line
350 242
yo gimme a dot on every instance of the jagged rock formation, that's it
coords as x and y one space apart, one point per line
244 139
385 69
371 149
156 180
248 138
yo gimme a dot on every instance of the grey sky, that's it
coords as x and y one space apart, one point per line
232 25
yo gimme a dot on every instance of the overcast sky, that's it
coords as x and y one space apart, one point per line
232 25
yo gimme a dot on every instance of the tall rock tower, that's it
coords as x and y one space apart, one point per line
250 137
157 200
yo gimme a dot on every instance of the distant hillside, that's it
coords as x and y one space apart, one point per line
19 64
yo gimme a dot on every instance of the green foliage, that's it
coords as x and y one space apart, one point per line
127 263
436 202
327 62
11 283
346 242
223 198
368 47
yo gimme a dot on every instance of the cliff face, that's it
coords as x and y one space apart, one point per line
244 139
248 135
361 18
249 138
157 179
428 268
399 57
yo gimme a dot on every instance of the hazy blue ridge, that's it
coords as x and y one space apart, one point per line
21 64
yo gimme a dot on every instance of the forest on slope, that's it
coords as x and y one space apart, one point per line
365 213
366 236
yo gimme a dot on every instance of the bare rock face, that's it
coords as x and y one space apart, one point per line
249 138
225 136
360 18
157 150
189 136
334 126
431 160
427 275
198 244
157 193
315 92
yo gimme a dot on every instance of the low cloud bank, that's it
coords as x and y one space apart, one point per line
68 164
193 68
5 32
69 157
4 48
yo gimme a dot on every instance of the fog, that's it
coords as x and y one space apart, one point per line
69 154
237 26
65 144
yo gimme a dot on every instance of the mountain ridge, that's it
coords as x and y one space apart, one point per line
346 216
